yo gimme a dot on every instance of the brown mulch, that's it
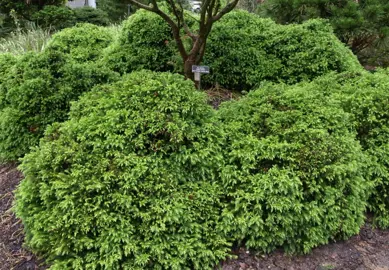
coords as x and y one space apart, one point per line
12 255
217 95
367 251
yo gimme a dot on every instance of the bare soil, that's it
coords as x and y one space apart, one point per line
367 251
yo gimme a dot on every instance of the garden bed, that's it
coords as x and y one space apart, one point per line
369 250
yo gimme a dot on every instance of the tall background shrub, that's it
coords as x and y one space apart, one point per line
144 43
244 50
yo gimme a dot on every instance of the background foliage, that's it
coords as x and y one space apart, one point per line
363 24
244 50
144 43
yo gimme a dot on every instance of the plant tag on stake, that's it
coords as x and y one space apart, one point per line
197 76
198 70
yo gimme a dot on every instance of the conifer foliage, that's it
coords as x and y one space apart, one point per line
83 42
244 49
365 96
129 181
36 91
294 170
144 43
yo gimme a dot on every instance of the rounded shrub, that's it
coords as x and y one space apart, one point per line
244 49
144 43
129 181
37 92
83 42
294 170
366 97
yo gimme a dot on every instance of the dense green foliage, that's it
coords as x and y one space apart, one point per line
36 91
294 172
59 17
117 10
144 43
91 15
55 17
244 50
129 181
370 106
143 174
363 24
84 42
366 97
13 12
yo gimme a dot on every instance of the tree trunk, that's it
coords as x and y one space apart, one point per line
188 63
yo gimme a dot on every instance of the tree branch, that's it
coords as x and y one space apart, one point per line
175 28
140 5
230 6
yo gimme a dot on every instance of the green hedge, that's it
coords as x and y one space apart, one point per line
36 91
144 43
129 182
244 49
83 42
294 176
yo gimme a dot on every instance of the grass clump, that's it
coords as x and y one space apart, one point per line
19 42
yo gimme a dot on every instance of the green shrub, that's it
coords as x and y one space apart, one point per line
294 172
366 97
7 62
244 50
36 92
144 43
91 15
56 17
84 42
129 181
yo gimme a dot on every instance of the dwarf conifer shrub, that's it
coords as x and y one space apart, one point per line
37 92
7 61
83 42
129 181
366 97
294 172
244 49
144 43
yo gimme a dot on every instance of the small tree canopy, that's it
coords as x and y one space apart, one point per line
210 12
